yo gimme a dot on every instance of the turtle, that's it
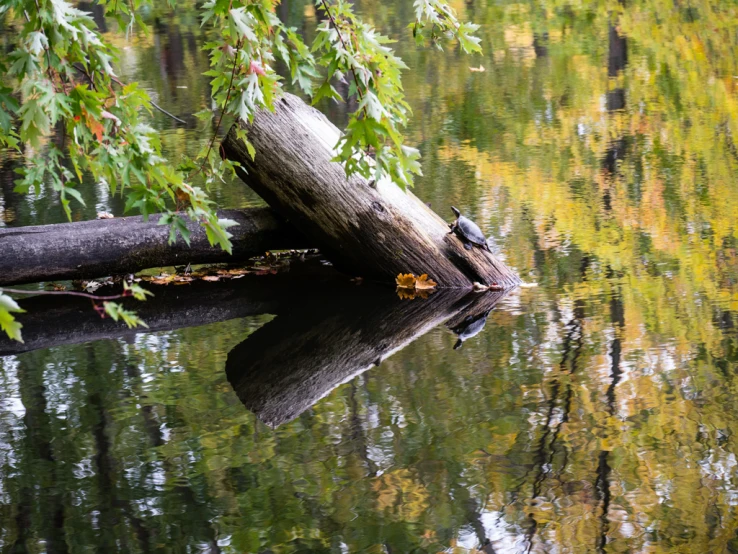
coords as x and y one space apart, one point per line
468 232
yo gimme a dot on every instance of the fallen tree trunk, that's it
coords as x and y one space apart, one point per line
128 244
370 230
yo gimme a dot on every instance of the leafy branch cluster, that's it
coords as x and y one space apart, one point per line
60 80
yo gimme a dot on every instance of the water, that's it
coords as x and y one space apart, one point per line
594 413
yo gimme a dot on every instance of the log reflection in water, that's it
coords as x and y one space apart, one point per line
295 360
54 321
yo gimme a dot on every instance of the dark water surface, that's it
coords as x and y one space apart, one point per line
594 413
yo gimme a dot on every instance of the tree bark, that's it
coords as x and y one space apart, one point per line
128 244
371 230
290 363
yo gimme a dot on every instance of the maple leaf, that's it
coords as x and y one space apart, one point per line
93 125
425 283
406 281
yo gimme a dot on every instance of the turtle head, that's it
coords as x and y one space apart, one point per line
456 211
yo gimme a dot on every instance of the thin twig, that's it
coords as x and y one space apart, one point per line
66 292
223 110
340 37
118 82
157 106
83 71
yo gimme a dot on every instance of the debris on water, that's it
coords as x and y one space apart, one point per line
55 287
268 264
480 287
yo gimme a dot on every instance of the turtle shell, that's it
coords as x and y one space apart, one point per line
470 231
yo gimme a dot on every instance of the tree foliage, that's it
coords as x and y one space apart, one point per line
61 75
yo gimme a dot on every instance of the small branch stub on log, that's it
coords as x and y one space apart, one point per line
370 231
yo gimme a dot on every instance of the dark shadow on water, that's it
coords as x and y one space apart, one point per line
330 336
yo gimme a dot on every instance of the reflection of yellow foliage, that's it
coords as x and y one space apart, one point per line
399 493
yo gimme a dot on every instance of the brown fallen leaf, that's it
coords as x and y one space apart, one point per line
406 281
211 278
163 279
425 283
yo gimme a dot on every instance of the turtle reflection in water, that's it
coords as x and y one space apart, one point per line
471 326
468 232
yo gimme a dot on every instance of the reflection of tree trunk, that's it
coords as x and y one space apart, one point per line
603 495
97 11
108 489
617 317
44 475
10 199
290 363
283 11
187 496
617 59
617 52
540 44
358 436
602 481
546 450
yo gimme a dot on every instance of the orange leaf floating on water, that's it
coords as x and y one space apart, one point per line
406 281
424 283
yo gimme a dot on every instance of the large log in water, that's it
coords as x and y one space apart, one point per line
128 244
371 231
